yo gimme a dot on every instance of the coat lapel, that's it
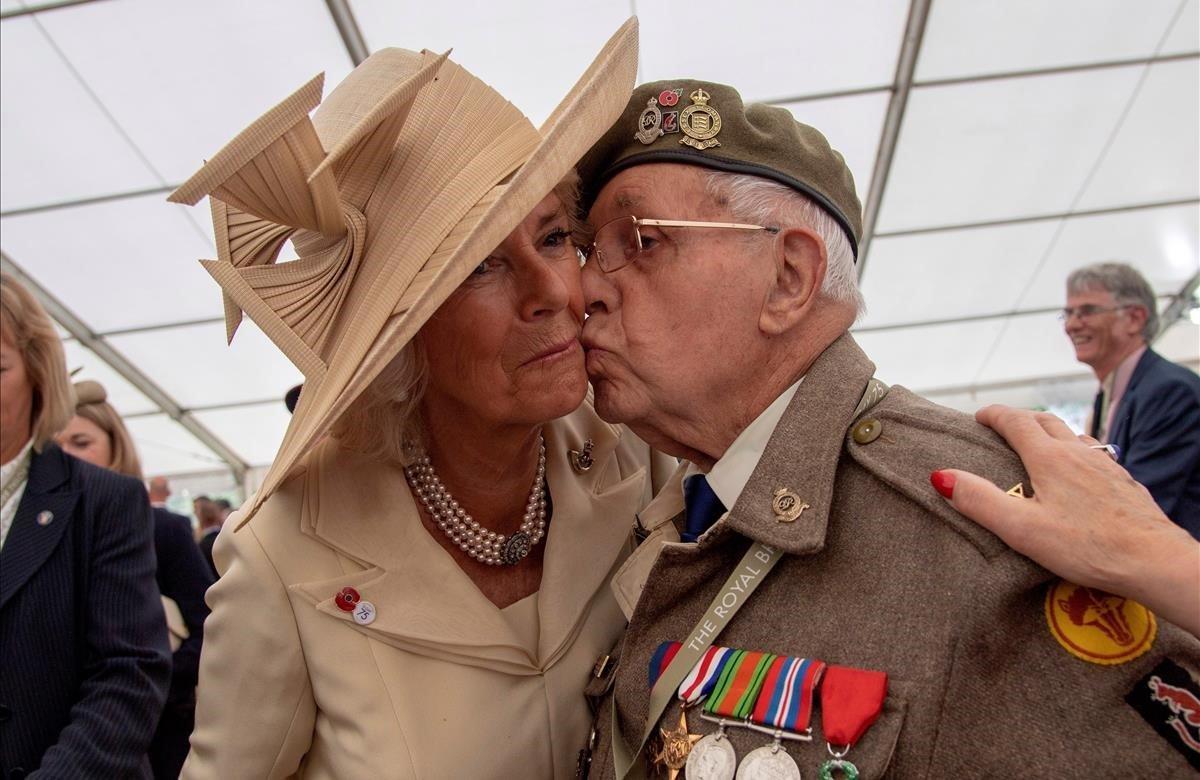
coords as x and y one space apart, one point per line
30 540
1120 427
424 601
802 454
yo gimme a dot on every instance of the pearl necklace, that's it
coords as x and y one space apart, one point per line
481 544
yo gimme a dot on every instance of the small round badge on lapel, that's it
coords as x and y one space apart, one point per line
45 517
346 599
364 613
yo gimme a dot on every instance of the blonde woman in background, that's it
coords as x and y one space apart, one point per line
97 434
84 659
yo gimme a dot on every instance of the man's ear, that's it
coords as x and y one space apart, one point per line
800 260
1137 318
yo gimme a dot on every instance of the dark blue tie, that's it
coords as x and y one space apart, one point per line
701 507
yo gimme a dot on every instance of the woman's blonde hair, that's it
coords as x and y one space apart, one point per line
385 422
34 336
92 404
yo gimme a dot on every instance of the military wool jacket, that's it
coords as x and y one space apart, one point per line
995 667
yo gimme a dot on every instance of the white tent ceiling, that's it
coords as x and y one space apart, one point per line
996 144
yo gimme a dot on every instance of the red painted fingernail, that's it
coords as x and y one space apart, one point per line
943 482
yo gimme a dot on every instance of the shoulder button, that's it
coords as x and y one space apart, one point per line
867 430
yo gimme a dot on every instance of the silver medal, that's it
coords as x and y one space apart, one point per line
769 762
712 758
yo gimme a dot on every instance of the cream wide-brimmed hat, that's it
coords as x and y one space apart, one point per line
405 177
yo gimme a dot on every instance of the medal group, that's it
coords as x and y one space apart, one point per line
771 694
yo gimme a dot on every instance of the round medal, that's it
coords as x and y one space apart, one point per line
712 758
769 762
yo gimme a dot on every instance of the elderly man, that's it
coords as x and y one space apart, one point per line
1147 406
803 596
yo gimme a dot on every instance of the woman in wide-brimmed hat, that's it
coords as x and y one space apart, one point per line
420 586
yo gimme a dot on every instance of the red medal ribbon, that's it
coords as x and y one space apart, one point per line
851 700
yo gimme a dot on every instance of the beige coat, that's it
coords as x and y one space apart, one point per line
879 572
442 684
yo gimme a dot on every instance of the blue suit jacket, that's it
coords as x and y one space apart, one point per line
1157 427
84 659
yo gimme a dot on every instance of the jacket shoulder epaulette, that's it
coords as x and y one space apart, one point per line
913 437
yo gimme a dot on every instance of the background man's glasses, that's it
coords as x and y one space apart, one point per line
1088 310
618 243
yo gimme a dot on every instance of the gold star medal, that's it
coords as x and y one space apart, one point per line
676 745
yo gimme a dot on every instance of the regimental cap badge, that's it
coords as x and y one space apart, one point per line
700 122
649 123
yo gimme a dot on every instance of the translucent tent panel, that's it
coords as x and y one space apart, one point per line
1163 244
956 273
100 258
486 38
1185 35
56 142
931 356
195 367
1002 149
1181 343
166 447
1151 159
970 38
775 49
253 432
990 270
123 396
182 78
10 5
1031 345
852 125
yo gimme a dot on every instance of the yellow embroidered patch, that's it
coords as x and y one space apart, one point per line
1096 626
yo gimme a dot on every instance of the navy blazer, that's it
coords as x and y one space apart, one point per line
84 658
183 576
1157 427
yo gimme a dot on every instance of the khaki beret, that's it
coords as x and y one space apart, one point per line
706 124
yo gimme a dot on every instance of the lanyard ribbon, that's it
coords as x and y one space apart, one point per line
754 567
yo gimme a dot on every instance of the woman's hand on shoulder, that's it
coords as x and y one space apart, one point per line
1088 520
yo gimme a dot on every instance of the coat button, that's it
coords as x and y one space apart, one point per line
867 431
5 713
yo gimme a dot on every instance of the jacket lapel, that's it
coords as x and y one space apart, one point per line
424 601
45 511
591 532
803 452
1120 428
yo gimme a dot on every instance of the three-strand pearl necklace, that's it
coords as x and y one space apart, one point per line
481 544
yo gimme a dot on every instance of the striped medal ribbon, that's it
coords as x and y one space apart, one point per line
732 681
784 710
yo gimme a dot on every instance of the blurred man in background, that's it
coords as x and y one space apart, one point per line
209 518
1147 406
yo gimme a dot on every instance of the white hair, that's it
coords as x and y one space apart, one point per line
762 201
